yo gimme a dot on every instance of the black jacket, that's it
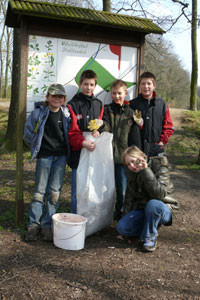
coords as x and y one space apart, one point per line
83 109
157 126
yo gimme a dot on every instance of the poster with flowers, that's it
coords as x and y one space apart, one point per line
53 60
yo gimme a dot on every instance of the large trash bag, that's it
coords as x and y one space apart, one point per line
96 183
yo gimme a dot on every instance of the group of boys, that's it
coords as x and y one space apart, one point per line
54 131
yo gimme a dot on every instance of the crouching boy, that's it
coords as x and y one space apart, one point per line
149 197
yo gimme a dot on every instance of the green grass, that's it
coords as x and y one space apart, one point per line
185 143
3 124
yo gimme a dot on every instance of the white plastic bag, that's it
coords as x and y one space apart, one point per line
96 183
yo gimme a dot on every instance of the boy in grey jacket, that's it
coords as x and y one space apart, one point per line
149 197
119 119
46 132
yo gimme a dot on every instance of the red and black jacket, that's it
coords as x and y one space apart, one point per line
82 109
157 125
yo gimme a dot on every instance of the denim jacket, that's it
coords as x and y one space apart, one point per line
34 127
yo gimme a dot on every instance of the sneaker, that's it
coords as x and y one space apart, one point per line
150 245
32 233
47 234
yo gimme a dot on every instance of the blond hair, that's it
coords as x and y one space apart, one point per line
133 151
118 83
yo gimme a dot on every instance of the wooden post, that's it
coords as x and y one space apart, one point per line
20 124
140 63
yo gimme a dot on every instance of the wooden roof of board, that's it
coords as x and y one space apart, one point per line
61 12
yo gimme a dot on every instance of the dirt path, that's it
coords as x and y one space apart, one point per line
177 115
109 268
4 105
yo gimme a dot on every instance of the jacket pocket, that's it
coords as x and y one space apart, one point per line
156 149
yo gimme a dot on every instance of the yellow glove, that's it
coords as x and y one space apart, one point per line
94 125
137 116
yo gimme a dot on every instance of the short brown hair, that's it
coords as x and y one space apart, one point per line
118 83
88 74
147 75
133 151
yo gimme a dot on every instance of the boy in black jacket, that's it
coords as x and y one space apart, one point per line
83 107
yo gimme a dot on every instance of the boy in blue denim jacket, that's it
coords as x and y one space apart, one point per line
46 132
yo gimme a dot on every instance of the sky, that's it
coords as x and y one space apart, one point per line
180 35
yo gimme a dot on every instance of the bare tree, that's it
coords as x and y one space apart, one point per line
173 82
106 5
194 76
2 35
10 138
7 60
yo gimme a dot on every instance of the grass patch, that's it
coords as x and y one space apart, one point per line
5 99
192 119
3 124
185 143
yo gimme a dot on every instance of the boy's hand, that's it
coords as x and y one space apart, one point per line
95 124
89 145
95 133
137 116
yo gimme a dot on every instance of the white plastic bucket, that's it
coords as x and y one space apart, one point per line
69 231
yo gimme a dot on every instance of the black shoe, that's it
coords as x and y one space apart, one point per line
118 216
32 233
47 234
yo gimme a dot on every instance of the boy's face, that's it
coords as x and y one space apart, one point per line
87 86
118 95
133 163
147 86
55 102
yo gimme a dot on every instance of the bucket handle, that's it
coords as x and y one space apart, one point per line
70 236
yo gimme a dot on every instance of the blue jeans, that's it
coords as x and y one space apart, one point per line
48 182
120 185
73 192
144 222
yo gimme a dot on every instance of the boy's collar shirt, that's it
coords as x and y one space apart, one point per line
118 108
89 98
153 96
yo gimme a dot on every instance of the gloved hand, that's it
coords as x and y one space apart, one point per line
95 124
137 116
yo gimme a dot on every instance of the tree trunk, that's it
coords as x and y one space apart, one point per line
194 75
1 73
1 61
106 5
10 138
198 160
7 63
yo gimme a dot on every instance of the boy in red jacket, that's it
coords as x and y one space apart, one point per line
83 107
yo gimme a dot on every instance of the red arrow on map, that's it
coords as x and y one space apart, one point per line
116 50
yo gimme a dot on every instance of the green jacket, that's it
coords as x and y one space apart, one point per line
119 121
151 183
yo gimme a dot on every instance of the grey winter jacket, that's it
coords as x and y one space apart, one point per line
34 127
151 183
